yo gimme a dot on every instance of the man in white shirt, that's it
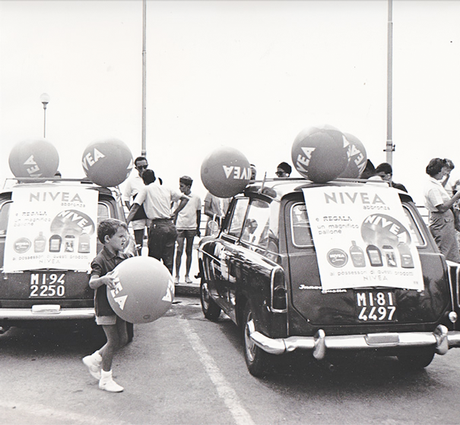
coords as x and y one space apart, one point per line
215 208
132 187
157 200
188 226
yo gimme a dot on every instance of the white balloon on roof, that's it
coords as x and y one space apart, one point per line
320 153
34 158
107 162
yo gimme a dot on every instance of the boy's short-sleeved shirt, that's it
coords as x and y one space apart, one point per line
186 219
103 263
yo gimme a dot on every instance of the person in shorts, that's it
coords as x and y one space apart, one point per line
188 226
113 234
131 188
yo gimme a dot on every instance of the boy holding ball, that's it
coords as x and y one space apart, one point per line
113 234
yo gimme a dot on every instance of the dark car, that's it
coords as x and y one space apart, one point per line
328 268
47 241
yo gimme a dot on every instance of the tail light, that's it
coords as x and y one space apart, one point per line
278 291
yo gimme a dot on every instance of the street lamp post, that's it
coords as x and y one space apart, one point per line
44 98
390 147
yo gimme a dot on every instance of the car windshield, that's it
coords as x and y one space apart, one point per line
257 224
237 218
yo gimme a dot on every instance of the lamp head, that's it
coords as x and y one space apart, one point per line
45 98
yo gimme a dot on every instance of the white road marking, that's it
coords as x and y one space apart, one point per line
224 389
54 415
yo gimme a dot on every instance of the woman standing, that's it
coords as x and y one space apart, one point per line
439 205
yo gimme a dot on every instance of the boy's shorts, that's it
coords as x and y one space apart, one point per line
106 320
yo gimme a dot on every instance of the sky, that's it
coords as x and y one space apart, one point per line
245 74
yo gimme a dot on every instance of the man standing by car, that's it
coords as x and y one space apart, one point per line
188 226
132 187
215 208
157 200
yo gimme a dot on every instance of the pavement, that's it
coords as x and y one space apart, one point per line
190 289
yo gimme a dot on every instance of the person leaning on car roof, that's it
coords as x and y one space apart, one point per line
283 170
385 171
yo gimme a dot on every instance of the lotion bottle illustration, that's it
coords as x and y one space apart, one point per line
357 255
375 256
40 243
406 257
83 243
55 243
69 243
390 256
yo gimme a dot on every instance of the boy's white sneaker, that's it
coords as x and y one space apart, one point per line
93 365
108 384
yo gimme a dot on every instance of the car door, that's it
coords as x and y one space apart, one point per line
225 251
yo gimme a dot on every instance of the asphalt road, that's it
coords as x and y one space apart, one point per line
183 369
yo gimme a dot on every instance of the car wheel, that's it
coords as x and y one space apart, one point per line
258 361
210 309
416 360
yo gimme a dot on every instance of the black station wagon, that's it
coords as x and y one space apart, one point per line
324 268
47 240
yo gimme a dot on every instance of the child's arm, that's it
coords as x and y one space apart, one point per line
97 281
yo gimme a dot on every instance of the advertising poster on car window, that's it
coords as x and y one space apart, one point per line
362 238
51 226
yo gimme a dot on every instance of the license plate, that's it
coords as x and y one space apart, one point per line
47 285
375 306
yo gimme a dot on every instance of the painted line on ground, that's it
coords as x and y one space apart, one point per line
224 389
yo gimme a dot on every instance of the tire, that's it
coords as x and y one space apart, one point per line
259 362
416 360
210 309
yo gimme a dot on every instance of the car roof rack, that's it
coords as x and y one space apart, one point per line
11 181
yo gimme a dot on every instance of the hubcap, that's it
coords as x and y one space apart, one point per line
250 346
205 296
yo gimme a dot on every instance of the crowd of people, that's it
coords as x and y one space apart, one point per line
172 218
442 197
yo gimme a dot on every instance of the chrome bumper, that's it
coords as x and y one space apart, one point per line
441 339
46 312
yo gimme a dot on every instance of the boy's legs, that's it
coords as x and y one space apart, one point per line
108 350
179 251
188 253
117 335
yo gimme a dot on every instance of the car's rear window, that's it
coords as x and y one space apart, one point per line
414 230
103 211
301 232
300 226
4 211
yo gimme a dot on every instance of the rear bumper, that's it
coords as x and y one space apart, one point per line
441 339
45 312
